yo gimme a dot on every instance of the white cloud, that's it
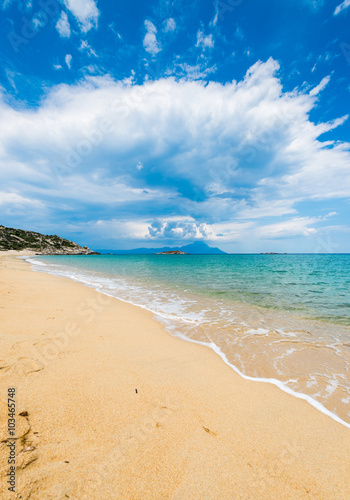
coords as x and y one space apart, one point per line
17 207
239 33
39 20
23 5
189 73
115 192
120 229
330 214
204 41
15 199
344 5
299 226
228 231
84 46
112 26
210 152
177 228
5 4
150 42
267 208
325 58
187 228
85 12
314 4
324 82
169 24
68 60
214 22
63 26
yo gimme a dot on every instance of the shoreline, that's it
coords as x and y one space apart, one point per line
194 429
214 347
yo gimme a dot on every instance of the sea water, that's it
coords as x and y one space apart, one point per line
278 318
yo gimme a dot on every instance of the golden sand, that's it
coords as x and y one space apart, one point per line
119 409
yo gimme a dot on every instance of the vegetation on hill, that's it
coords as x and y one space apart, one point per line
18 239
172 252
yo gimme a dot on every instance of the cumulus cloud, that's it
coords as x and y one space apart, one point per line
169 24
344 5
177 228
68 60
222 158
204 41
63 26
85 12
150 41
187 228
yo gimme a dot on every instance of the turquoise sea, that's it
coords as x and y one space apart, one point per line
285 318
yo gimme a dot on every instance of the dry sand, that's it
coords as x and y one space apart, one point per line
193 430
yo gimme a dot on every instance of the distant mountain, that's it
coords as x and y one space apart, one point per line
199 247
17 239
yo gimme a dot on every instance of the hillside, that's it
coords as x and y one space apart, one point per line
17 239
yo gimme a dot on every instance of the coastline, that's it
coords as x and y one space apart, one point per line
234 332
194 429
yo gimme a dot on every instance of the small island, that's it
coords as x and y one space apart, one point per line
273 253
172 252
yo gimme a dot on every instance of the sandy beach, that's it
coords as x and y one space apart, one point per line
113 407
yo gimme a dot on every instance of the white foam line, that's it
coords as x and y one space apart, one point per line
99 288
273 381
318 406
29 259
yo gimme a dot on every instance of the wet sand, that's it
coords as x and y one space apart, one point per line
114 407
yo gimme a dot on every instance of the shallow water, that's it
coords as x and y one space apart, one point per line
280 317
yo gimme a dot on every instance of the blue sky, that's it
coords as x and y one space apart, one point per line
126 124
